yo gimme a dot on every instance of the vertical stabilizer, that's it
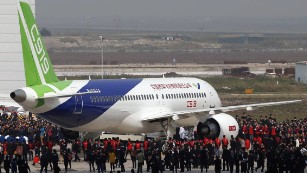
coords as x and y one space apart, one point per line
38 67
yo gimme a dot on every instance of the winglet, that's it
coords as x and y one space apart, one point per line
38 67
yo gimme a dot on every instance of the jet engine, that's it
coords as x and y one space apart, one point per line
218 125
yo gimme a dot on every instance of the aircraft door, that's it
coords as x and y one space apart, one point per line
157 96
78 102
161 99
212 100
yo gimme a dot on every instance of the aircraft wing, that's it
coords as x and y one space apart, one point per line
176 115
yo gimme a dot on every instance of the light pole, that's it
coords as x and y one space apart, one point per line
101 38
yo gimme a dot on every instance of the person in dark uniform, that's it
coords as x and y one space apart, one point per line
204 159
167 159
99 162
182 158
251 160
49 159
55 161
7 164
43 162
237 160
196 155
217 164
91 161
24 167
188 158
175 159
232 143
1 159
66 159
154 162
225 159
231 160
122 158
14 165
244 163
76 148
260 161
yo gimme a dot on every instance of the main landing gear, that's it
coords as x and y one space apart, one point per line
167 127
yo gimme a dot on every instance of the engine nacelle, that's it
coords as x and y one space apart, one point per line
218 125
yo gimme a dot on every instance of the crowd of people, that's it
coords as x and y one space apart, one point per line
282 146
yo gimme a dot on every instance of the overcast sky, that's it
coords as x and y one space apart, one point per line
102 13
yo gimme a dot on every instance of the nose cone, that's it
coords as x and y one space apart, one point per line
19 96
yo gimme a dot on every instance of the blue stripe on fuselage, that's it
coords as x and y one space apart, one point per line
64 115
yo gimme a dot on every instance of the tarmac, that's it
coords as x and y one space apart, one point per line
83 167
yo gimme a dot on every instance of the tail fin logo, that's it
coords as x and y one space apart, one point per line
36 59
39 49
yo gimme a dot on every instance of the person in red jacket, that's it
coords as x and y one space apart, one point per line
84 147
129 147
50 146
259 140
265 130
137 145
257 129
251 132
206 141
217 145
247 145
224 142
244 130
145 145
273 131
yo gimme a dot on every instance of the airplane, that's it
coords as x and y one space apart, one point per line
125 106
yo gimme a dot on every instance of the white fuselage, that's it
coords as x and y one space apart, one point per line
125 104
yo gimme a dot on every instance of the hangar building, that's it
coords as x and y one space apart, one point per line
11 62
301 72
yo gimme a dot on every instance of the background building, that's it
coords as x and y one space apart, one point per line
301 72
11 62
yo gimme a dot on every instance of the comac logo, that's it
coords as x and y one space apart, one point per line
39 49
232 128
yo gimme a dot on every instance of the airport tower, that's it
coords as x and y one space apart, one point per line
11 60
